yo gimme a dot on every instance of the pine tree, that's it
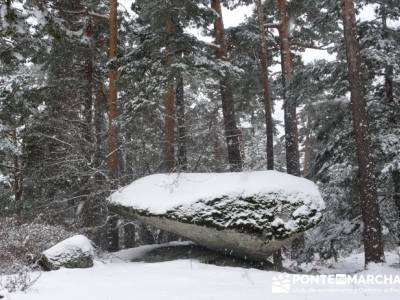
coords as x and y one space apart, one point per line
290 105
54 93
17 82
266 85
180 116
169 100
228 108
373 244
114 164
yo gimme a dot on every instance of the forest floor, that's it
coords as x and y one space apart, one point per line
116 277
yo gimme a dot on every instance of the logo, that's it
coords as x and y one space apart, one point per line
281 284
299 283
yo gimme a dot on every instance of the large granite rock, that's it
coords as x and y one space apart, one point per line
74 252
249 215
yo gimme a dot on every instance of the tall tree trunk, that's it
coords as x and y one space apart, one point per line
218 155
388 68
267 104
218 152
8 6
113 157
307 156
169 104
88 103
373 244
18 184
87 214
112 109
99 124
228 108
266 88
93 210
17 176
390 98
180 116
396 197
389 83
93 112
290 105
88 112
307 150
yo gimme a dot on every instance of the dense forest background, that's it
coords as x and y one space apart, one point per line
92 99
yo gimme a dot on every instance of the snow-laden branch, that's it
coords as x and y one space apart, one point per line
309 46
86 12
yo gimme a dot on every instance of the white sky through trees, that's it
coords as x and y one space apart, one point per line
238 15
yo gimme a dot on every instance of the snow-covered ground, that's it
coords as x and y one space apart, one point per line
120 279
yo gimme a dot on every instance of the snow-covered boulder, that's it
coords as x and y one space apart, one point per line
249 214
74 252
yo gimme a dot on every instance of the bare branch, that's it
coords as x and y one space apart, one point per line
296 44
74 12
97 15
10 167
85 12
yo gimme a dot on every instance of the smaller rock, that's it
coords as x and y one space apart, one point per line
74 252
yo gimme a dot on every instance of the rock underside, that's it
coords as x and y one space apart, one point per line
201 254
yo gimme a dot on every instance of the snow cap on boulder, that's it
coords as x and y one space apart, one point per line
162 192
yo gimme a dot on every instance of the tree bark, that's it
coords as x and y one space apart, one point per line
266 87
112 109
180 116
388 68
277 257
169 104
228 108
307 150
99 125
373 245
218 151
88 101
18 177
290 109
389 83
307 156
396 198
396 189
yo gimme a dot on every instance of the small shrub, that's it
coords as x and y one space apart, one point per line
20 245
20 281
